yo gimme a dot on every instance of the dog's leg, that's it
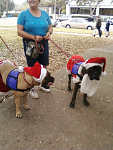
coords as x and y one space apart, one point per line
72 103
18 111
1 99
86 103
24 102
69 82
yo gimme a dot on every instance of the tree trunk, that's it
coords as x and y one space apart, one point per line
6 6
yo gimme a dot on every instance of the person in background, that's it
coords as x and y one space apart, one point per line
107 27
98 24
35 23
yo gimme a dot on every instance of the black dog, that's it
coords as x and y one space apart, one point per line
88 72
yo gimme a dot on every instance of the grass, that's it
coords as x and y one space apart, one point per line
71 44
8 27
81 31
69 30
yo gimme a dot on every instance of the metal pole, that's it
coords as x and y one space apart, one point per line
55 7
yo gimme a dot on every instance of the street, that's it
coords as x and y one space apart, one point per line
12 21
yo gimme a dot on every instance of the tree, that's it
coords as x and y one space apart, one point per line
53 3
89 2
6 5
60 4
2 5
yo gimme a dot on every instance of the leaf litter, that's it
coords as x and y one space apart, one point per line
70 44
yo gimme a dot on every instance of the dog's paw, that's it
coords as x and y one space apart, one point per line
26 107
68 89
19 114
1 100
86 103
72 105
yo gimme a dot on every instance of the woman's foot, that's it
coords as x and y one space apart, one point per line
33 93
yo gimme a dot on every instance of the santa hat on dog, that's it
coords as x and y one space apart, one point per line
96 61
37 71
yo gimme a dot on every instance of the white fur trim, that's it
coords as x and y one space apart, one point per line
76 80
89 65
88 86
69 71
42 75
5 61
103 73
80 69
21 69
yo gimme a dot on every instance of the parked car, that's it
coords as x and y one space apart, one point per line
111 21
91 18
79 23
54 22
63 18
9 15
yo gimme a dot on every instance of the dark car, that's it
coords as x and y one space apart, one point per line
92 18
111 21
64 18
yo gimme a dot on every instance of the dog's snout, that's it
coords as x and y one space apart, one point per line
95 77
53 79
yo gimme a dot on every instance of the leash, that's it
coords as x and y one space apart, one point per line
60 48
74 60
37 48
9 48
37 45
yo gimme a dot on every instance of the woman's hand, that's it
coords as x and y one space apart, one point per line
39 38
47 36
49 32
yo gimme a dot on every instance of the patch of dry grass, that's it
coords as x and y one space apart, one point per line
71 44
81 31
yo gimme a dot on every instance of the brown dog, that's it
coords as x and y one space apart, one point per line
23 81
86 76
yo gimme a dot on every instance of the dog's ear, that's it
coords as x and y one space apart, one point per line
84 71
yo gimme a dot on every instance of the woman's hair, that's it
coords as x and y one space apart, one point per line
27 0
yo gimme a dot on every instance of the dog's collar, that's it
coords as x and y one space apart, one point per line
25 79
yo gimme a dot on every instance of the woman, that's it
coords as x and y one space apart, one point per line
35 23
107 27
98 24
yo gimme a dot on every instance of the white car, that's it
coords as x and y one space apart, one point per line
79 23
54 22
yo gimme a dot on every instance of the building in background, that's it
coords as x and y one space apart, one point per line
105 9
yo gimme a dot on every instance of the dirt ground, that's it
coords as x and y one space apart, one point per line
51 124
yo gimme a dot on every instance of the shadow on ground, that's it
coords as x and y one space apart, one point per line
51 124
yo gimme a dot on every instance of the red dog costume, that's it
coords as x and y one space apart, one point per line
37 72
74 67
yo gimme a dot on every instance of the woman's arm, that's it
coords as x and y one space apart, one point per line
49 32
26 35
